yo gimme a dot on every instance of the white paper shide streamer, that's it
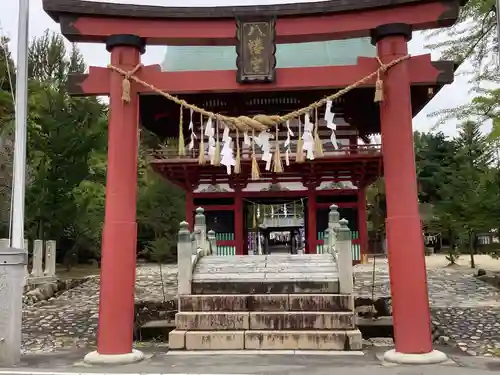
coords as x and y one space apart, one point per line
308 138
246 140
227 152
191 129
210 133
329 117
289 133
263 141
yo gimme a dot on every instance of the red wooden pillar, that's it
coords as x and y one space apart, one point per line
311 239
412 326
190 208
119 242
238 220
362 222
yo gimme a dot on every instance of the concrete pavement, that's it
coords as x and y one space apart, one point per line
160 362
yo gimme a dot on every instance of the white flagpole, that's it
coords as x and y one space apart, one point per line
19 170
14 259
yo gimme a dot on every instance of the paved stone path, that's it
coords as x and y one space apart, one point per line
70 320
466 310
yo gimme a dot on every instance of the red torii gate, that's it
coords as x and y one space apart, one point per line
390 28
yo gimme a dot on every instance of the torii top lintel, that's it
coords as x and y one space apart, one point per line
85 21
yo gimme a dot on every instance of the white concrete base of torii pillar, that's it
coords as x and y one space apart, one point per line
431 358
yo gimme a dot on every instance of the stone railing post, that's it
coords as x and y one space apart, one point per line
333 217
50 258
195 241
212 242
201 225
329 241
37 270
333 225
344 256
184 265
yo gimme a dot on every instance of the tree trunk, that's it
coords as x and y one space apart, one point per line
471 249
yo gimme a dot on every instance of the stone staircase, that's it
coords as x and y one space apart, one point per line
264 302
273 302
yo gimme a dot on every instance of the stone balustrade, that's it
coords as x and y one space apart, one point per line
41 270
191 247
338 242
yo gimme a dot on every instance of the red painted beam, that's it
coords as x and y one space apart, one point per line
219 207
273 194
293 29
422 71
337 192
338 204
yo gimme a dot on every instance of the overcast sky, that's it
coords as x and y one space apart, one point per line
95 54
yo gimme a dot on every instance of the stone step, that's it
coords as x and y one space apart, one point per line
303 340
266 340
264 287
267 259
284 268
271 320
267 302
301 320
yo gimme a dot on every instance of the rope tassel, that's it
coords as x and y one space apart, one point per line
126 90
299 153
126 84
255 175
318 144
201 155
237 165
379 90
217 145
379 84
182 147
277 165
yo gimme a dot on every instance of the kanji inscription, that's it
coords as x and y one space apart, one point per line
256 49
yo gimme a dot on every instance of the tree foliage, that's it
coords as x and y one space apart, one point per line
473 40
458 185
67 142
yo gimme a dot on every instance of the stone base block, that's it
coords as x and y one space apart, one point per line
213 303
37 280
177 339
303 340
321 302
301 320
215 340
264 287
95 358
268 302
209 321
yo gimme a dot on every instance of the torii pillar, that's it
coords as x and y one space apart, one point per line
411 314
119 239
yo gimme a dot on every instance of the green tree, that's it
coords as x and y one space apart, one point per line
473 39
433 154
7 77
463 205
63 134
160 210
